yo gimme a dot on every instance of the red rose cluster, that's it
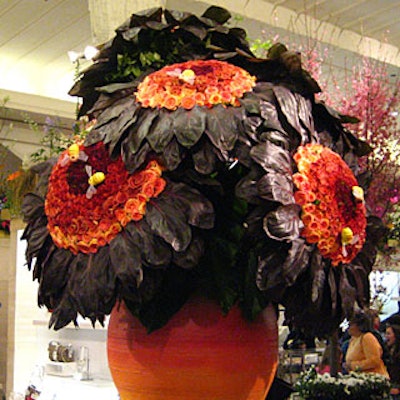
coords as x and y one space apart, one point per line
82 223
333 212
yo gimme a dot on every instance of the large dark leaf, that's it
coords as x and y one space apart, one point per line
190 257
115 110
319 278
36 234
218 14
305 112
284 223
281 139
161 131
126 119
222 126
32 206
198 210
169 223
92 284
63 314
290 109
333 288
133 161
189 125
277 187
43 170
55 274
175 16
246 188
269 272
205 159
251 104
270 115
296 261
172 155
126 261
272 157
140 130
347 293
154 250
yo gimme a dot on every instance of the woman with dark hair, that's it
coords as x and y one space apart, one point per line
393 342
364 353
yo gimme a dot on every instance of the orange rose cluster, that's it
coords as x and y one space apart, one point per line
82 223
330 209
199 82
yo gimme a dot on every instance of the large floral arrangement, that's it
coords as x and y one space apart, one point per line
200 175
354 386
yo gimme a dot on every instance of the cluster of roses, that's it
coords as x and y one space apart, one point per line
325 192
199 82
79 223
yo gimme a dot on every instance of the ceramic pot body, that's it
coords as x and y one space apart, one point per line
199 355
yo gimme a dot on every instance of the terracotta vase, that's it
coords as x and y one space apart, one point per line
199 354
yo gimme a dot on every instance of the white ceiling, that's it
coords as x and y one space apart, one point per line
35 35
378 19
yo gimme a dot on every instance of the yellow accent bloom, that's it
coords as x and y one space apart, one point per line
347 235
358 193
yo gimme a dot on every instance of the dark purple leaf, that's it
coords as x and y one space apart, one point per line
140 130
133 161
222 126
120 126
269 271
246 188
54 276
272 157
172 156
126 260
155 251
113 112
189 125
347 293
161 131
277 187
290 108
296 261
318 276
218 14
169 223
284 223
32 206
63 314
305 113
269 113
333 291
198 209
205 159
190 257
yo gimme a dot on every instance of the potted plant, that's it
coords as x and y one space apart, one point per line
210 176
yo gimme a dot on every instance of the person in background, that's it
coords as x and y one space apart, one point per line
392 335
364 353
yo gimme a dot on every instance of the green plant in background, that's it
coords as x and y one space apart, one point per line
260 47
53 140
